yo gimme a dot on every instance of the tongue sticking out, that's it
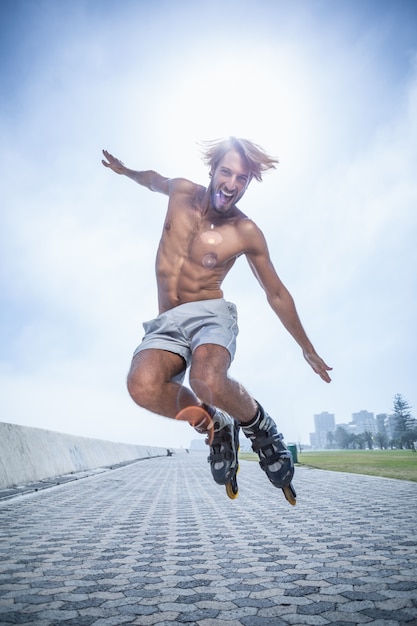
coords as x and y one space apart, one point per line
222 198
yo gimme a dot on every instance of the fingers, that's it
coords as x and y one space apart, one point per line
114 164
324 376
319 366
322 372
108 157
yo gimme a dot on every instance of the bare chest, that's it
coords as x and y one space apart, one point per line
200 241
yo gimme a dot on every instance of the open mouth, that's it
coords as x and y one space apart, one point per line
223 197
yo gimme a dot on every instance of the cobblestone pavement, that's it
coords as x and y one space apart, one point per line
159 543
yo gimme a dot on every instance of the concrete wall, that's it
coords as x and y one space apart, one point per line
31 454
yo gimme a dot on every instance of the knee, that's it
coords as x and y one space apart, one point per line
141 387
208 373
208 384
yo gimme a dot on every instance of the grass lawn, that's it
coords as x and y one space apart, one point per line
401 464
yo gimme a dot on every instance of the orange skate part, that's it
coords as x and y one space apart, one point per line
198 418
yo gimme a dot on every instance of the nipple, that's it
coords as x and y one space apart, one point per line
209 260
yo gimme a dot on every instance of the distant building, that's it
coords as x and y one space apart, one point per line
390 424
364 421
349 427
314 440
380 423
324 423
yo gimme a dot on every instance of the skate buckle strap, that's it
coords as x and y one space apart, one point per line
274 458
264 442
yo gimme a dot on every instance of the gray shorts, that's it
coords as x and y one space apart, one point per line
185 327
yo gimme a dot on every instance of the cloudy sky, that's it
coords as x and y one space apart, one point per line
330 88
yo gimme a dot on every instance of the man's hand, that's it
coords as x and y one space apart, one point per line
318 365
114 164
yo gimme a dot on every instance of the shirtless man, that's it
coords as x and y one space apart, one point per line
203 235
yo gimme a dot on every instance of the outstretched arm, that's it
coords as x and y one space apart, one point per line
282 302
149 179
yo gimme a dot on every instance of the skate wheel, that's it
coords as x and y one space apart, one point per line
232 489
195 416
290 495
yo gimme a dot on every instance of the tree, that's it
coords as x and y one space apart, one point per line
330 439
404 433
381 440
408 439
402 413
342 437
369 439
359 441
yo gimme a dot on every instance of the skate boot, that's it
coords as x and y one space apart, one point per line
274 457
223 457
222 436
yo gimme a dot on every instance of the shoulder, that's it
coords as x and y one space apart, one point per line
183 185
251 235
247 227
183 194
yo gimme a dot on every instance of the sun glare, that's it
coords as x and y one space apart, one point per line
258 99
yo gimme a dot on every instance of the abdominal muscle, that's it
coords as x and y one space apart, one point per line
182 280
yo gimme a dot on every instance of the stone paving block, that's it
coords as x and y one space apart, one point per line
259 603
324 597
309 620
176 606
394 604
139 622
238 612
157 619
402 617
336 618
299 591
226 595
56 615
218 622
263 621
363 595
383 622
316 608
371 587
337 589
115 620
294 601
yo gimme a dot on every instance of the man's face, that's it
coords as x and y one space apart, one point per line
229 181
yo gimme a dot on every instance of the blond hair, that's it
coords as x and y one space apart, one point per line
257 159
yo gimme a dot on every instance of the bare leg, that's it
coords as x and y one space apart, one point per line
150 384
209 380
